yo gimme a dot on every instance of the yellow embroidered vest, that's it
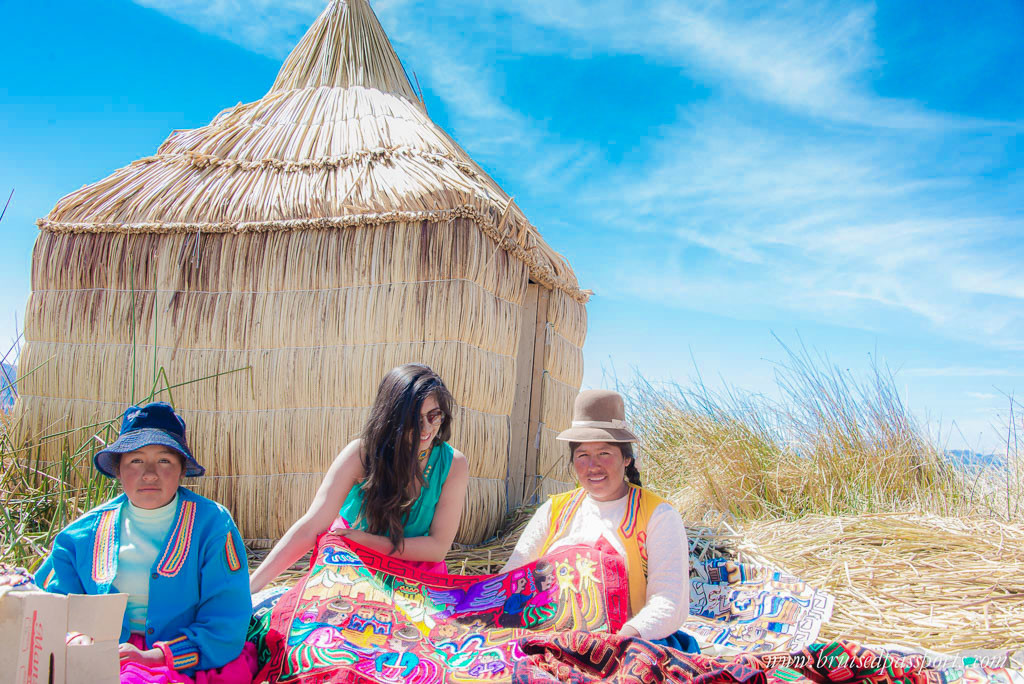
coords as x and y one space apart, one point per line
632 533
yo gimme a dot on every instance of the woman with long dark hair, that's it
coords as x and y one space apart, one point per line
398 489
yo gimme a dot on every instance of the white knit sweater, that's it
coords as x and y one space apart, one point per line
668 571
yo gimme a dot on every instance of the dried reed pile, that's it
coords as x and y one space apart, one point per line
316 238
947 584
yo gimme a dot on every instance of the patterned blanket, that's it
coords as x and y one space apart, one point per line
583 658
359 616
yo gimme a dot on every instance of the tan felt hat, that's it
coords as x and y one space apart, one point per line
598 416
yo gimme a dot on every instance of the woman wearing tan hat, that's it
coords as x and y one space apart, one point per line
610 503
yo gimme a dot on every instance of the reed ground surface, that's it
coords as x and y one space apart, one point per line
833 481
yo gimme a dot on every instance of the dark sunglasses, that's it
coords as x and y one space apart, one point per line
435 417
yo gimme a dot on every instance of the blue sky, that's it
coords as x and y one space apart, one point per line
843 173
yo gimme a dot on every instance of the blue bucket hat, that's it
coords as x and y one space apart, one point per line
155 423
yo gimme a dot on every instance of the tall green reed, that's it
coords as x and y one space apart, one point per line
46 477
828 442
48 480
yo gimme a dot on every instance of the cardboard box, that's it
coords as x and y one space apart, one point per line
33 631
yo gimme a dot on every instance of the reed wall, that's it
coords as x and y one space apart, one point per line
563 373
312 320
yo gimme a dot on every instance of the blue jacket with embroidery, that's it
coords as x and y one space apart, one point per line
199 601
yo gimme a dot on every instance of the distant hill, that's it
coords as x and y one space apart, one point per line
7 392
972 460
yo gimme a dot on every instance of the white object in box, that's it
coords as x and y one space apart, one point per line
33 632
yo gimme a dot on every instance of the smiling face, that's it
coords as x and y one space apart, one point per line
601 470
150 476
430 412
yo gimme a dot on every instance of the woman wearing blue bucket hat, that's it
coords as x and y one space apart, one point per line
178 556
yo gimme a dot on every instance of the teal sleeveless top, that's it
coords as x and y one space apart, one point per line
421 515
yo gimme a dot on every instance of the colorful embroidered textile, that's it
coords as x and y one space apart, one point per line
738 607
372 618
632 533
582 658
238 671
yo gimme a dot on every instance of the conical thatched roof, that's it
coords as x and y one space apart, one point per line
290 253
340 140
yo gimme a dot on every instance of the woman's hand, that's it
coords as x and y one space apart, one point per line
434 546
375 542
131 654
628 631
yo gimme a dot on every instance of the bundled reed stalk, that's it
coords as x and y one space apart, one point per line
319 236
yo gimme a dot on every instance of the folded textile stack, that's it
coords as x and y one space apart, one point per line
16 578
739 607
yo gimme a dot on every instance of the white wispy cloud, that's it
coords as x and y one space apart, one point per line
269 27
852 229
852 217
814 57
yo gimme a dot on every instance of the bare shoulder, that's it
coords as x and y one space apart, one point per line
350 461
460 463
353 448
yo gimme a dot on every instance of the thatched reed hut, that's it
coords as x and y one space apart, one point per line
317 238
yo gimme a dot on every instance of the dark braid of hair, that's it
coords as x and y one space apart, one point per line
632 474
